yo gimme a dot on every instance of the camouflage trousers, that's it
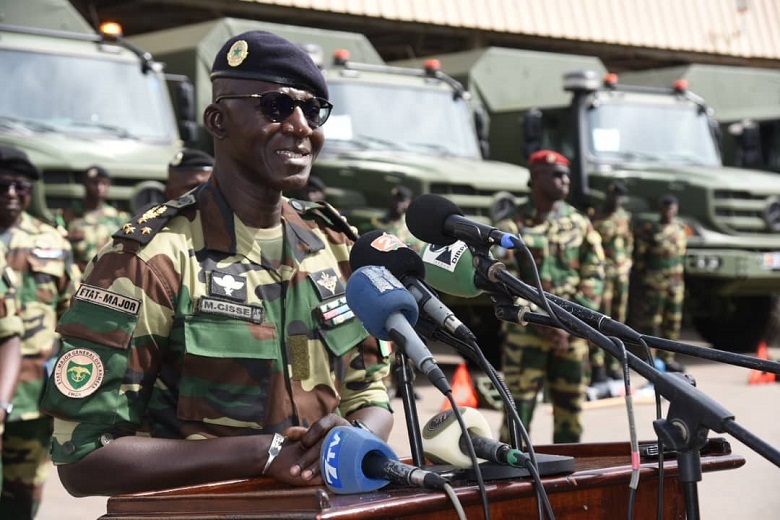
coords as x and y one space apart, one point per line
25 467
528 363
614 303
662 307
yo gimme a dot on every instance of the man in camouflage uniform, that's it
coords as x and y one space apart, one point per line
187 170
95 221
570 261
225 348
613 224
659 262
394 221
11 329
42 262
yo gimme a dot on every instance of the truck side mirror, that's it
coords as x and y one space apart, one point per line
532 131
185 107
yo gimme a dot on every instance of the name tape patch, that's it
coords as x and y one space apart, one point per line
109 299
239 311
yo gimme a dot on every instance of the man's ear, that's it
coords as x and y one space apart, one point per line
213 120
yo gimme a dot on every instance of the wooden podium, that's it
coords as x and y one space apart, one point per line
597 489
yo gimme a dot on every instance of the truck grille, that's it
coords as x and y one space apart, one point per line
746 212
472 201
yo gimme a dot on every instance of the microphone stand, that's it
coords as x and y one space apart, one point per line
691 413
406 389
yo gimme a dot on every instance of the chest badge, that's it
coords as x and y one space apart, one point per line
228 285
327 283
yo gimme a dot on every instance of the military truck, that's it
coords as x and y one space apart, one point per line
71 98
390 125
656 140
746 102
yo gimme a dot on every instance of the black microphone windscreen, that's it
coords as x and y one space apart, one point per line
383 249
426 216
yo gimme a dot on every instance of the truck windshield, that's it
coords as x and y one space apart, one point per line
387 117
630 132
82 96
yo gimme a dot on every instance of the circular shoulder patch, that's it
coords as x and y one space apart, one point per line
78 373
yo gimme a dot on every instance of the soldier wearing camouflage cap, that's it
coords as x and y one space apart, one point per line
42 264
95 219
570 262
212 340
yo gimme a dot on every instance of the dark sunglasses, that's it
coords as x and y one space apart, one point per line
20 187
278 106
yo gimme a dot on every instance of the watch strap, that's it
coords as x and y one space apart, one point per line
273 450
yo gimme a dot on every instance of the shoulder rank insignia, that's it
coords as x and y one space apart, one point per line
326 214
141 228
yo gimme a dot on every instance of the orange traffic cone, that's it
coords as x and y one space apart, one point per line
462 389
758 377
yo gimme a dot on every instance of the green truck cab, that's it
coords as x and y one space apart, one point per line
72 98
656 140
389 126
746 104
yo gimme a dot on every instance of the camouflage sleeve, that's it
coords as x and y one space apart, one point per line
10 318
591 284
111 338
641 247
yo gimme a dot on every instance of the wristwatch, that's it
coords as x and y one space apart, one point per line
8 407
273 450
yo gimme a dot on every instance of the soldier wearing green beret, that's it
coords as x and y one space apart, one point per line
570 262
96 220
42 264
211 340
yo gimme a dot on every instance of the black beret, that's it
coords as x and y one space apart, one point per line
669 200
401 193
618 188
96 171
263 56
13 160
190 158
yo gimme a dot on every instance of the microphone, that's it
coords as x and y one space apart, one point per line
437 220
354 460
444 442
449 269
380 248
388 311
459 279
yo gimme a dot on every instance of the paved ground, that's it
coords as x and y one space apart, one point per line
747 492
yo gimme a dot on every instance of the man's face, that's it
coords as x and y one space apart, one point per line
14 197
551 183
280 154
668 212
183 180
97 188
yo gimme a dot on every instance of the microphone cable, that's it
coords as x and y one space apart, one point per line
472 454
455 501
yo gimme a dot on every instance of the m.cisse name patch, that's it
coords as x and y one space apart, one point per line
109 299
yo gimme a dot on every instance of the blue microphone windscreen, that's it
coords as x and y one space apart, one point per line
373 294
341 459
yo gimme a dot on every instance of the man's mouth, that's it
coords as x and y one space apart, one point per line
292 154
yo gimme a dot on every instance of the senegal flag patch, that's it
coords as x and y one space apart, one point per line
79 372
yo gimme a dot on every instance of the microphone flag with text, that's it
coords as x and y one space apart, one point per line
354 460
444 443
437 220
384 249
388 311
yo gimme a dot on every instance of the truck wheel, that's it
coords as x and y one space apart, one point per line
749 321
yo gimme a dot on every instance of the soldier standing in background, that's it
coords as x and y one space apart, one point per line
613 224
314 190
394 221
188 169
42 262
570 261
91 225
659 255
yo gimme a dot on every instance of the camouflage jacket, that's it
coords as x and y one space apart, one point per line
93 230
42 262
659 251
10 315
184 329
566 249
617 240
